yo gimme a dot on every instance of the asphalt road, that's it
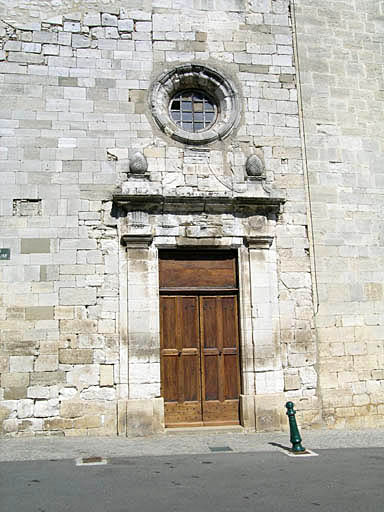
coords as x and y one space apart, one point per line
345 480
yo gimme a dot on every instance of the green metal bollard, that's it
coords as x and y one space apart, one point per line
295 434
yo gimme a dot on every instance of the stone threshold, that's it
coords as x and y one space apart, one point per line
205 430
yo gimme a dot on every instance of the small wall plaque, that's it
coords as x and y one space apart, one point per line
5 254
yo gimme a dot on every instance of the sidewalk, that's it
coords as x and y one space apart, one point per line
178 443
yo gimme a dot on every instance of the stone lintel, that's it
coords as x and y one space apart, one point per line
157 203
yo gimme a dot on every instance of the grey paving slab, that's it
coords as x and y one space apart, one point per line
56 448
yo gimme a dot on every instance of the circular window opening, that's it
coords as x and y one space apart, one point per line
193 111
194 104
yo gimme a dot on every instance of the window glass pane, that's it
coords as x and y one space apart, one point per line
175 116
188 127
186 105
192 110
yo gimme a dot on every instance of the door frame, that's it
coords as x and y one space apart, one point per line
259 328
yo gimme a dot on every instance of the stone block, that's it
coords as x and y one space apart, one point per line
75 356
92 19
47 378
80 41
46 363
38 392
25 408
78 326
15 393
83 376
122 417
5 412
270 412
39 313
46 408
247 412
77 296
125 25
106 375
97 393
21 364
145 417
10 426
77 408
291 382
58 424
4 364
87 422
108 20
72 26
35 245
11 380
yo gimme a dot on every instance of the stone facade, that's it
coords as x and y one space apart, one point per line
94 184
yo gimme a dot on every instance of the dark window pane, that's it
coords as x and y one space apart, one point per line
175 105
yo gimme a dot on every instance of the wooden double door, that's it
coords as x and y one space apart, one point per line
200 367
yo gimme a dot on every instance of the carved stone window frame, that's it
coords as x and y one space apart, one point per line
199 78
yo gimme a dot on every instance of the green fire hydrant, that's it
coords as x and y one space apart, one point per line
295 434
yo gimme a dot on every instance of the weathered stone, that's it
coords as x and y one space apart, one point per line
46 363
254 166
106 375
39 313
46 408
25 408
38 392
10 380
21 364
75 356
138 163
77 296
35 245
47 378
96 393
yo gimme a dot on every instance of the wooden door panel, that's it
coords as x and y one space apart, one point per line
221 413
180 359
220 359
195 394
197 270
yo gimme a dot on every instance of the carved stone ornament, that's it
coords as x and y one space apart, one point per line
138 164
255 167
209 82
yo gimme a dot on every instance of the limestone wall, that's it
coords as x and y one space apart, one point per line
76 77
341 70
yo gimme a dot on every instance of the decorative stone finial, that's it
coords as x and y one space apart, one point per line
255 167
138 163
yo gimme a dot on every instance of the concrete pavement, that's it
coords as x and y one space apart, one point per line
180 443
